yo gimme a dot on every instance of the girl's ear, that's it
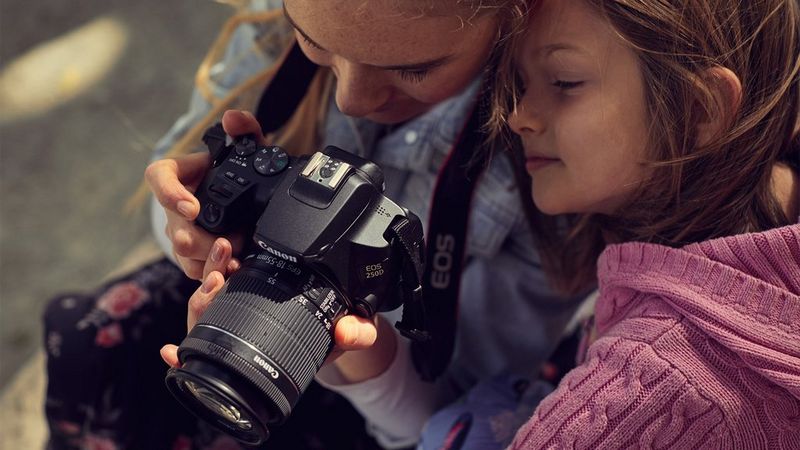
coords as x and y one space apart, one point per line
726 91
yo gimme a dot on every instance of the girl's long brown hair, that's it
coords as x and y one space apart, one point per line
695 193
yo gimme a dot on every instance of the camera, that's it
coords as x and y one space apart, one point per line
326 242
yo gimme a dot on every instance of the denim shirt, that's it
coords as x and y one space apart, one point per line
509 319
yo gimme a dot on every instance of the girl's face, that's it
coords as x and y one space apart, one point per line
391 65
583 118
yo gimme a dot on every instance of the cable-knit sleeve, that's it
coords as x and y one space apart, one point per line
624 396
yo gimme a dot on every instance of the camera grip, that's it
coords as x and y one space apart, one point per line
240 183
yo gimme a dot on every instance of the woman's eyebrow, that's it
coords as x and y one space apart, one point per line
414 67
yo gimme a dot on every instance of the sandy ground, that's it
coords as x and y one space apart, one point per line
86 88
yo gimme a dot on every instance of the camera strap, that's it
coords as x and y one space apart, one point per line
430 291
446 246
286 90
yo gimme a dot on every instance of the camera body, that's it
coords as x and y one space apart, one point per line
325 242
326 211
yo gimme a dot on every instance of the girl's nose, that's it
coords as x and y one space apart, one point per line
525 120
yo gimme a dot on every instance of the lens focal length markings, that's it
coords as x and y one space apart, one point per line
323 304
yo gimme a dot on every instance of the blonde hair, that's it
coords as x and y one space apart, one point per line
302 130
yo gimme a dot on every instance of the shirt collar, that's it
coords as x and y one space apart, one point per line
417 145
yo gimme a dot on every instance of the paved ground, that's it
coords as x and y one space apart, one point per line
67 169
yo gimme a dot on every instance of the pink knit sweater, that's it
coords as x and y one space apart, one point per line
698 347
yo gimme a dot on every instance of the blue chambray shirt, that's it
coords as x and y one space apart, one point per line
509 319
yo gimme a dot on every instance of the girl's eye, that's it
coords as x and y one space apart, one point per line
567 85
413 76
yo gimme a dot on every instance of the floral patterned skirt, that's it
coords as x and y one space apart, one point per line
106 386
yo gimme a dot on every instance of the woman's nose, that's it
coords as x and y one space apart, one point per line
360 89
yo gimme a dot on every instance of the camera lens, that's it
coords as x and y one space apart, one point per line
221 406
257 347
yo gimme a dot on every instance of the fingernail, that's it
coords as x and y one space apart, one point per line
352 337
216 252
208 284
186 208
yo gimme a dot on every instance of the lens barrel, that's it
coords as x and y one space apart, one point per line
257 347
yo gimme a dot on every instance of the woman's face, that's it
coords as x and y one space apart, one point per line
391 65
583 118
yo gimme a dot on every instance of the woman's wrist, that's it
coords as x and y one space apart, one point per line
360 365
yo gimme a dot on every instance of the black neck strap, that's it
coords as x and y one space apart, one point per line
287 88
446 247
431 306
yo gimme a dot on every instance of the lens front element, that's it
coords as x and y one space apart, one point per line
223 409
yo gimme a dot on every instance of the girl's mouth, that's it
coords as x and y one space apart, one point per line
535 163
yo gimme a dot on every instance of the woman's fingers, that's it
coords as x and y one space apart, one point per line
238 123
355 333
198 304
191 245
192 268
203 297
364 349
218 258
169 353
173 180
352 333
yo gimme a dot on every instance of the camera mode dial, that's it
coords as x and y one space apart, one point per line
270 161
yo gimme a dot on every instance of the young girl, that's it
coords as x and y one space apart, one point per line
403 77
667 132
661 137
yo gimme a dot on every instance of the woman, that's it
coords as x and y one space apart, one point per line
406 75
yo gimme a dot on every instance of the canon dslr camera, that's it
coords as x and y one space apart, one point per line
326 242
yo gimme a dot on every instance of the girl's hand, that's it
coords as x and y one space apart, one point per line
173 182
364 347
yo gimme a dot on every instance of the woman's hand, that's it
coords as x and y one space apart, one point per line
173 182
364 347
198 303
